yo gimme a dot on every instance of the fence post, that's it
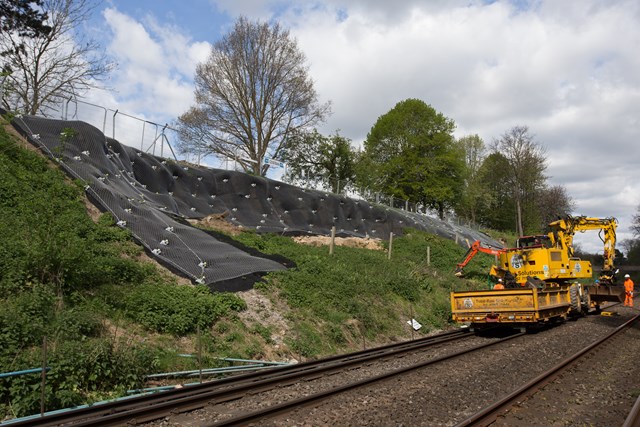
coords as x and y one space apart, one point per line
333 240
113 125
199 354
390 243
411 320
44 375
428 256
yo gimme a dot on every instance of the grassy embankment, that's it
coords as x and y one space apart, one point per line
111 316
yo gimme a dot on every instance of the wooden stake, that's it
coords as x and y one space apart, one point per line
390 243
199 354
428 256
333 240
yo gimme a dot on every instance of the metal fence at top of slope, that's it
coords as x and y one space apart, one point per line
160 140
145 135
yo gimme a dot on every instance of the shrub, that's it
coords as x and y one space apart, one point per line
178 310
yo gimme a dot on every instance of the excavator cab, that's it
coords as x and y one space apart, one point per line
539 241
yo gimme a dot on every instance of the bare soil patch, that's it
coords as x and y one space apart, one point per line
352 242
217 222
261 311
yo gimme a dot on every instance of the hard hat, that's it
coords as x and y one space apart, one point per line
499 280
626 275
597 281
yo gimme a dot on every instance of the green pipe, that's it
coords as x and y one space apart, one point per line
60 411
209 370
229 359
26 371
230 369
156 389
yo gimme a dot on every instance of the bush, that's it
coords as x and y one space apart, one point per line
178 310
24 319
80 372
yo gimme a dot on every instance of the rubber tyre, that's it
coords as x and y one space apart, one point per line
574 296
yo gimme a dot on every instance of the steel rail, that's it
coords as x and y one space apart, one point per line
491 412
633 419
153 406
317 397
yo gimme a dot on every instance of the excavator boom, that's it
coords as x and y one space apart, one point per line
472 252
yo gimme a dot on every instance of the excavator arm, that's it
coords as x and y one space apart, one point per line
564 230
472 252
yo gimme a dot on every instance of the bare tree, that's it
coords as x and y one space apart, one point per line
527 163
553 203
251 93
53 66
635 223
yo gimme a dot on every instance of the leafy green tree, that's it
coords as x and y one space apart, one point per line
252 92
525 173
410 153
21 17
327 161
498 210
475 193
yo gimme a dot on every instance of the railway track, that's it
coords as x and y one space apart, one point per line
144 408
240 400
490 414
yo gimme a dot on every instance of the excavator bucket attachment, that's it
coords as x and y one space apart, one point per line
459 272
605 293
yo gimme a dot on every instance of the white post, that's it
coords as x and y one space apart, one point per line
428 256
390 243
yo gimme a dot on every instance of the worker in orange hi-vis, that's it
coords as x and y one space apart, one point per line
498 285
628 291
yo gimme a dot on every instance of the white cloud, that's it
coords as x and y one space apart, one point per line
156 66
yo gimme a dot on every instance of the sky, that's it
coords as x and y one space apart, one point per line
569 70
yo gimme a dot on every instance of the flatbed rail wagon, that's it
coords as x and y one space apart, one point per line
511 306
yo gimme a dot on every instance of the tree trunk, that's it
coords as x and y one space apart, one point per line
520 229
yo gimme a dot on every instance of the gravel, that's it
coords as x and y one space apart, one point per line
600 391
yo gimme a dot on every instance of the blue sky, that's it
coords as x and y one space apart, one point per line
569 70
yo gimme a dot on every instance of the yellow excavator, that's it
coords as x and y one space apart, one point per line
547 265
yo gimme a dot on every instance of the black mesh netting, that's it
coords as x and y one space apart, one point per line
144 192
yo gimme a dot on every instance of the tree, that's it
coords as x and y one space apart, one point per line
251 93
635 223
526 165
410 153
553 203
498 210
475 192
20 16
52 66
328 161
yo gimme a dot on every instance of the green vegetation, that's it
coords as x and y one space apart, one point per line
109 318
335 300
70 280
